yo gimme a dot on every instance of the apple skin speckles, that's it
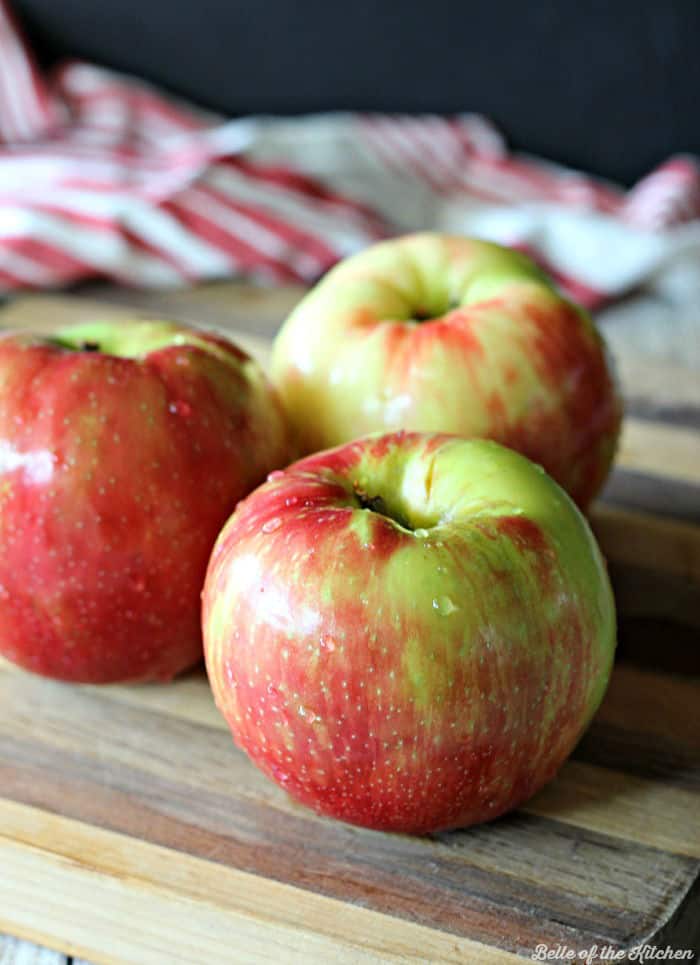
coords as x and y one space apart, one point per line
421 656
116 474
498 354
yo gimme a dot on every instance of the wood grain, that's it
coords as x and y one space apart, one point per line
649 446
149 903
156 764
131 829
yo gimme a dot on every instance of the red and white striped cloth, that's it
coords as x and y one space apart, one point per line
101 175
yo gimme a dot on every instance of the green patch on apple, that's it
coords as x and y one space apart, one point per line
476 619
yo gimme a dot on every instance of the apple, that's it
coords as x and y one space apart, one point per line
408 632
446 334
123 449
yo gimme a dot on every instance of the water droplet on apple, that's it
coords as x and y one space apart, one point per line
327 643
444 605
181 408
420 533
275 474
279 774
271 525
291 501
307 714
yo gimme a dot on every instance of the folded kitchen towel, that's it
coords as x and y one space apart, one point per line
103 176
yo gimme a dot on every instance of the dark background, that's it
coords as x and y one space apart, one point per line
611 87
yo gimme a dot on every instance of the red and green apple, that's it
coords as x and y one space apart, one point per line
123 449
447 334
408 632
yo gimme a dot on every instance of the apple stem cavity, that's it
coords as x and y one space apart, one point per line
70 346
422 314
377 504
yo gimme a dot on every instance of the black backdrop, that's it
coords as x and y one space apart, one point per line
611 87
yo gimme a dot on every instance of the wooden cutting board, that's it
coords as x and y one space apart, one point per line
132 830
